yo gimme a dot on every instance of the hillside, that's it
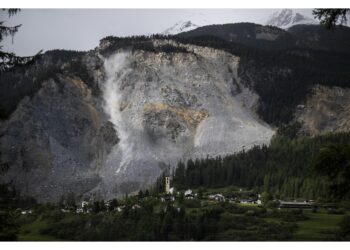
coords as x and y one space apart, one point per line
110 121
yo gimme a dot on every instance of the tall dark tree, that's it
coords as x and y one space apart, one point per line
333 162
8 59
331 17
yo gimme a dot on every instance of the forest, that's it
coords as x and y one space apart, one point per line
284 169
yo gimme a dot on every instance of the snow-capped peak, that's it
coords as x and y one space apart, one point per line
287 18
181 26
187 24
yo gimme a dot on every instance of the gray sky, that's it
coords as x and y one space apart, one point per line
81 29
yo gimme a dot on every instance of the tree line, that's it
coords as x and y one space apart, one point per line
285 169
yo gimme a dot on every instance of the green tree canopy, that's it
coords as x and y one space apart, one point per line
333 162
331 17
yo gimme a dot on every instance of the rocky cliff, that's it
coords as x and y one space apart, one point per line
138 112
326 110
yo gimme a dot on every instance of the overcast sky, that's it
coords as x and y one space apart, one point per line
81 29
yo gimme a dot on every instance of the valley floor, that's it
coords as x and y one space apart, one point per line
208 221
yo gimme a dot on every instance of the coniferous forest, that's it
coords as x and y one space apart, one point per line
284 169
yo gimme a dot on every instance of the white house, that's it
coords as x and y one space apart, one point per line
26 212
188 192
217 197
119 208
136 206
107 203
79 211
84 204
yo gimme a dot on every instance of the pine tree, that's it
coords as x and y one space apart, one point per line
8 59
331 17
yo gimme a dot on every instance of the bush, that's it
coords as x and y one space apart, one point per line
272 204
192 203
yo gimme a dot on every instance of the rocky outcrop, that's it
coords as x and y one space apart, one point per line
51 139
327 110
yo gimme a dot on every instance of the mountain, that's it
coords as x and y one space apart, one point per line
110 121
287 18
314 37
181 26
247 34
317 37
190 23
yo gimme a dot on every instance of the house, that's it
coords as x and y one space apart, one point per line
79 211
107 204
119 208
171 190
27 212
84 204
136 206
188 192
217 197
296 204
247 201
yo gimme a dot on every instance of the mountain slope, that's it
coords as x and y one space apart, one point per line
152 108
314 37
109 121
247 34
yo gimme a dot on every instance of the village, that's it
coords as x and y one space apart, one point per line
180 213
171 195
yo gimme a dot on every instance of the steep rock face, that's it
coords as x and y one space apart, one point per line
51 139
326 110
137 112
171 106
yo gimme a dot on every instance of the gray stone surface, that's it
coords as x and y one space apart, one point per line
141 112
327 109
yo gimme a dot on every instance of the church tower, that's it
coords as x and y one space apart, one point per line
167 184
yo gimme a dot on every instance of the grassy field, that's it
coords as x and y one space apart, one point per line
31 232
321 226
